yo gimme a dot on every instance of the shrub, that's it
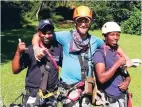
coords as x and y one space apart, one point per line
132 25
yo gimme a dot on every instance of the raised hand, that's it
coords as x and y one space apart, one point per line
21 46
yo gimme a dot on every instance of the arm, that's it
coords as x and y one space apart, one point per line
36 40
16 67
122 53
124 85
129 62
16 63
38 51
104 76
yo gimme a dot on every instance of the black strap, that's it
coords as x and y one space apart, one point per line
84 63
44 80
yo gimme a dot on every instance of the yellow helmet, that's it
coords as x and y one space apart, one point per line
82 11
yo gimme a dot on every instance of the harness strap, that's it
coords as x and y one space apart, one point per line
48 94
84 65
51 57
45 73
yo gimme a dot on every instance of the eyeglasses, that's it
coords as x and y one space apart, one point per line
85 20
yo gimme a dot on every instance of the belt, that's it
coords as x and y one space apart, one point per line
31 91
47 95
68 86
112 99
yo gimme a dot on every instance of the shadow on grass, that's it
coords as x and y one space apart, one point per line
9 41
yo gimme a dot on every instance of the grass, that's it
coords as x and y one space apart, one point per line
13 85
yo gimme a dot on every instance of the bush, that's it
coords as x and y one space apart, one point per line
57 18
132 25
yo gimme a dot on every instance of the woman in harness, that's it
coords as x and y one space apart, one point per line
109 66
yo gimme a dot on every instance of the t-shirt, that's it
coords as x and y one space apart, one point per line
111 86
34 75
71 69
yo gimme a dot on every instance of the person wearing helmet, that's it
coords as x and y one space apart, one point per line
112 78
76 43
24 58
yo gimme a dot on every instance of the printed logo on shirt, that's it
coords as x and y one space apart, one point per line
56 58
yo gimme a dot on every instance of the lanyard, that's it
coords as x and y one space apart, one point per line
51 57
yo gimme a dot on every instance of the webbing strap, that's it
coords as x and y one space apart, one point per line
84 66
48 94
44 80
51 57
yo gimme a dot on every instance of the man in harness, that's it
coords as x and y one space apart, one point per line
42 76
113 79
78 47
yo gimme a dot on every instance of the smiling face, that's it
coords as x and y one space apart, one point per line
82 25
112 38
46 35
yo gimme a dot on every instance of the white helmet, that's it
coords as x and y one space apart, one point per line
110 27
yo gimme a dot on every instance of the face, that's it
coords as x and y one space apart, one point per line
112 38
82 25
46 37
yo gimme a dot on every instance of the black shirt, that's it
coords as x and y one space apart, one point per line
34 75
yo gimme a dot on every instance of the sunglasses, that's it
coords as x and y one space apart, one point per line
84 20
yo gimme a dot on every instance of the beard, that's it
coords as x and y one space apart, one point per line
82 31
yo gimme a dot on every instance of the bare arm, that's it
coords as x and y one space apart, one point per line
38 51
36 40
122 53
103 75
16 63
124 85
16 68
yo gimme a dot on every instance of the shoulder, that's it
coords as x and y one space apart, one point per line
98 56
99 52
63 37
96 39
62 33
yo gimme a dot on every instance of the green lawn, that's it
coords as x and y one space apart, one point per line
13 85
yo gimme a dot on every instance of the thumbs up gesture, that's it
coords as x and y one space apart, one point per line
21 46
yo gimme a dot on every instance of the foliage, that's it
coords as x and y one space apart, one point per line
13 85
15 14
133 24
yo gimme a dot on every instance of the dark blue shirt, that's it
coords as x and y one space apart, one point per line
34 75
111 86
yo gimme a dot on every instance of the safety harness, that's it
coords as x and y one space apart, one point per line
43 87
106 99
